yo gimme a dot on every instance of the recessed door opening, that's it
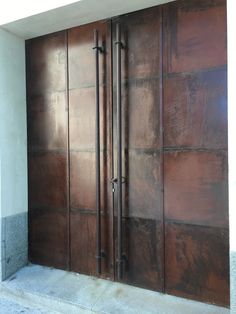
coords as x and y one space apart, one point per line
127 149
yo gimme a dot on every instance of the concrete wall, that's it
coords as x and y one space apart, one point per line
13 155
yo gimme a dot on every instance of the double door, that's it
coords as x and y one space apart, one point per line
127 135
116 183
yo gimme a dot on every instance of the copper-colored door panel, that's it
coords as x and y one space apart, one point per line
195 112
81 55
47 180
82 117
46 64
48 237
46 121
143 245
196 187
141 131
195 150
162 153
47 149
197 262
194 35
141 36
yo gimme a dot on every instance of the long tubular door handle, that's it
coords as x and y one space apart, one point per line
99 253
119 46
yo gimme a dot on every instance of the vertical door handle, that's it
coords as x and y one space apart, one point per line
119 46
99 253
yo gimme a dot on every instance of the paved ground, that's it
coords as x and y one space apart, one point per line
64 292
10 307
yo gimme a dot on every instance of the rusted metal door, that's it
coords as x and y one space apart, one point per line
46 61
195 150
139 237
82 148
155 152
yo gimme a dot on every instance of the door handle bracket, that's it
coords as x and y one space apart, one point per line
99 48
115 180
122 46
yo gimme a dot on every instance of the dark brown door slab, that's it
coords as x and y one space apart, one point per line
46 65
196 187
142 223
194 35
174 149
197 262
82 117
195 150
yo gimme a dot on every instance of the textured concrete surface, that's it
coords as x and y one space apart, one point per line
14 248
10 307
13 153
233 282
74 293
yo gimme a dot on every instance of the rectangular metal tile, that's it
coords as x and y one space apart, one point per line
81 55
143 249
83 183
195 110
194 35
141 38
197 262
47 121
48 243
47 180
196 187
83 116
46 63
142 189
141 115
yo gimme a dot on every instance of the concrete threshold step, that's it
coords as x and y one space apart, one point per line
65 292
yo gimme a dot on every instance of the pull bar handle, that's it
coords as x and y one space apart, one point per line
99 252
119 46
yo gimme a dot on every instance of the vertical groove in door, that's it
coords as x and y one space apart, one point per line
68 158
162 143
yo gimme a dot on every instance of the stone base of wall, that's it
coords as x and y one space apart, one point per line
14 244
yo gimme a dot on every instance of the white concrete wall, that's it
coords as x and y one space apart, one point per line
13 153
13 141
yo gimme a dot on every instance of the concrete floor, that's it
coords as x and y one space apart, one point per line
64 292
10 307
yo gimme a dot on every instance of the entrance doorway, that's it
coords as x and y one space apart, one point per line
127 141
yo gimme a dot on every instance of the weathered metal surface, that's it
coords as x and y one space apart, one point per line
82 119
81 56
46 121
195 144
141 107
47 180
83 245
143 190
48 237
195 111
196 187
194 35
197 262
46 64
82 128
141 144
82 179
143 247
47 146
